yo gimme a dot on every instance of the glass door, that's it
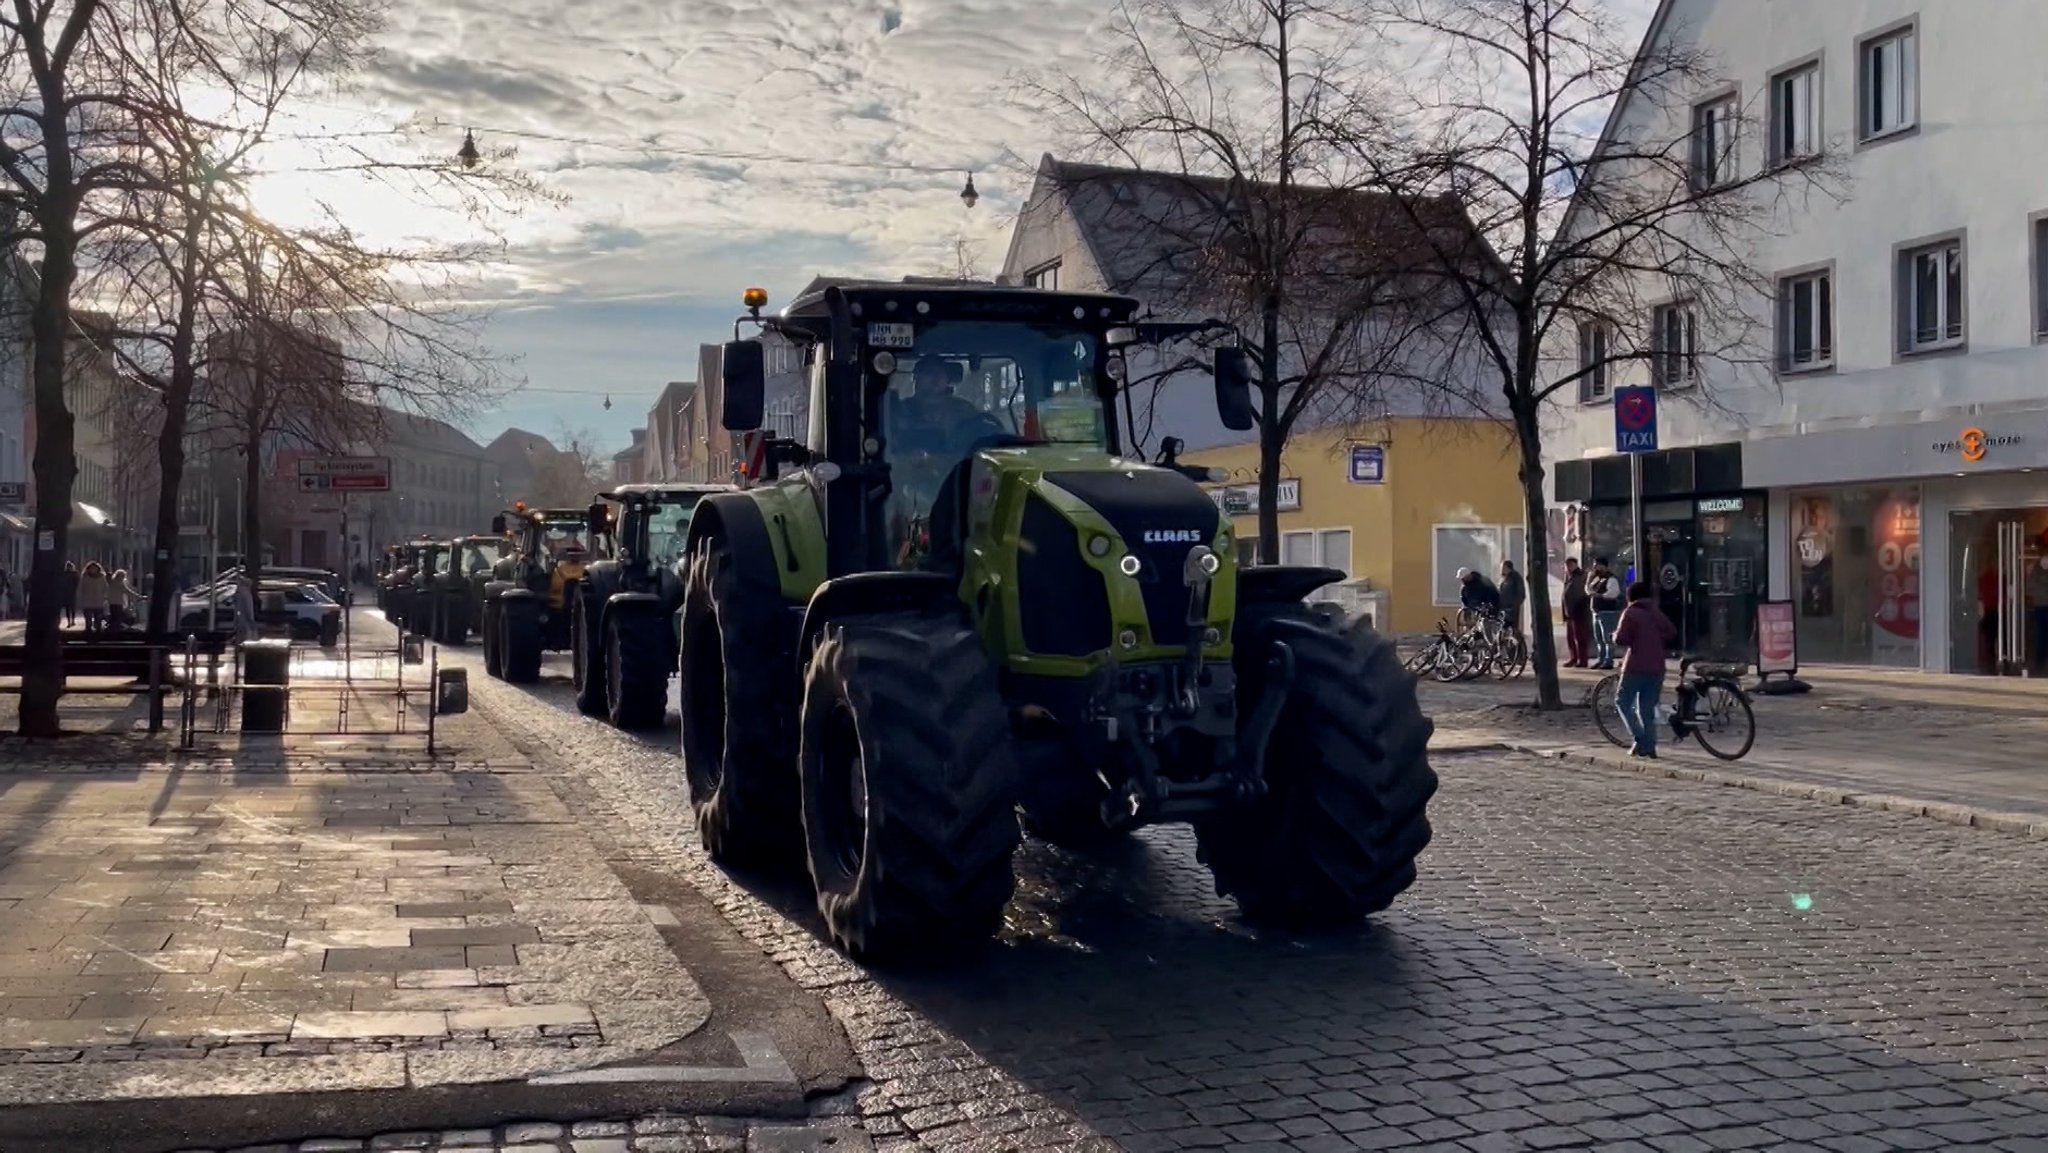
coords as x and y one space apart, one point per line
1993 625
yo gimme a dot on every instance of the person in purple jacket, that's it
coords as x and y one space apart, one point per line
1648 635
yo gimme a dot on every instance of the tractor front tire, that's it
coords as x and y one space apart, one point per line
494 648
454 620
909 785
637 668
519 640
738 693
1336 837
586 656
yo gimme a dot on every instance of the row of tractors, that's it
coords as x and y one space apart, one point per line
963 604
601 583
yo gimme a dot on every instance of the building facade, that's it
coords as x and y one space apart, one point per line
1399 506
1885 469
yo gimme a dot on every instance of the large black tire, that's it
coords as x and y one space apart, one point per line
739 705
909 785
493 640
519 640
586 656
1337 836
637 668
453 619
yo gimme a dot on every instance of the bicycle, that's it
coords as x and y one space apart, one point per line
1447 657
1709 701
1506 653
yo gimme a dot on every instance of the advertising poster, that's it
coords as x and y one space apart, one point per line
1777 638
1895 579
1813 542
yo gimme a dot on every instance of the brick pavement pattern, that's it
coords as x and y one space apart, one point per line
250 920
1589 960
655 1133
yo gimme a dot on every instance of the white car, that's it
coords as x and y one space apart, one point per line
304 611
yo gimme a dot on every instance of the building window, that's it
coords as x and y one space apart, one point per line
1855 556
1931 281
1889 84
1713 142
1046 276
1795 114
1806 322
1479 547
2041 276
1318 548
1675 346
1592 362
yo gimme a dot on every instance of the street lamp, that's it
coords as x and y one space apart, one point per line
968 195
468 154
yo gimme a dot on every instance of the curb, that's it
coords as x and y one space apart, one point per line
2030 825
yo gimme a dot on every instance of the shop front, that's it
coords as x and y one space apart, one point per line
1916 545
1705 538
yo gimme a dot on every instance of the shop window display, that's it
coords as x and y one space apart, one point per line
1856 576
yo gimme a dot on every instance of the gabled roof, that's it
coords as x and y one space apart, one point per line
1629 87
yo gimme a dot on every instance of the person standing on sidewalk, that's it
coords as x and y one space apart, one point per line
68 594
1578 614
1648 635
91 597
2037 598
1514 592
1605 590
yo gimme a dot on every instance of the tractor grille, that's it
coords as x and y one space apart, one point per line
1144 501
1064 603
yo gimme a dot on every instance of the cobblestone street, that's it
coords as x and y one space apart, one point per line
1591 958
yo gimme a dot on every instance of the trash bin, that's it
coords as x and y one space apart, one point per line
451 693
266 673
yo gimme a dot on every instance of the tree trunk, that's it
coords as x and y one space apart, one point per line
170 459
1536 566
252 514
1272 437
55 468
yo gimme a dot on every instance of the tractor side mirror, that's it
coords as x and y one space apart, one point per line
598 519
1234 388
745 376
498 525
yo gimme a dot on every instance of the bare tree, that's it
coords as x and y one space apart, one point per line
571 475
1584 219
1218 138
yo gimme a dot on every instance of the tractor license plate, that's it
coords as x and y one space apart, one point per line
892 336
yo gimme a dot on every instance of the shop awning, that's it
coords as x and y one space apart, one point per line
11 523
92 515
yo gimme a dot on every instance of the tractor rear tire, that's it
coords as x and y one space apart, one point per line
454 619
637 667
519 640
494 641
738 697
909 785
1337 836
586 656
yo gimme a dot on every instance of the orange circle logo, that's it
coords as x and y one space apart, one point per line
1973 444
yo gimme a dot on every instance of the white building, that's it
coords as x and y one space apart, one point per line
1888 473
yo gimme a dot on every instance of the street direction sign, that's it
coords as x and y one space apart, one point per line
1635 420
345 474
13 491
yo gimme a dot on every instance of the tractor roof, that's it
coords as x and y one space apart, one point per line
952 299
662 490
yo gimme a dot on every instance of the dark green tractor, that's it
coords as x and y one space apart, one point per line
408 605
528 597
956 598
444 605
623 633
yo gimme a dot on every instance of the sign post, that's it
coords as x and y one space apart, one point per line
1635 433
345 474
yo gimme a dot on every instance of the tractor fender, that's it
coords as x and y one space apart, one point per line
736 519
872 592
1282 583
512 592
629 604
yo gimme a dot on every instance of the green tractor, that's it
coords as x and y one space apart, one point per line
408 599
622 632
443 607
528 595
955 598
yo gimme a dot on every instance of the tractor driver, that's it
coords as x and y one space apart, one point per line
932 416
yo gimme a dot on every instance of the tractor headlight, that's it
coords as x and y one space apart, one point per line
1098 546
1129 566
1128 638
1210 563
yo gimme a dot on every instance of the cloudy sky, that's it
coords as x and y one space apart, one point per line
610 293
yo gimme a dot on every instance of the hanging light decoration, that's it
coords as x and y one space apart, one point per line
468 154
968 195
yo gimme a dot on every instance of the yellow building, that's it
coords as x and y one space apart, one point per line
1398 505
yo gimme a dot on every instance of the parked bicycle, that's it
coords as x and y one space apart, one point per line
1711 706
1481 642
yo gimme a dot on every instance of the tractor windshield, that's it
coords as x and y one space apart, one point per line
958 383
561 536
668 523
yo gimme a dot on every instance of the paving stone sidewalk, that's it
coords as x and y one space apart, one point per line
655 1133
1967 743
323 915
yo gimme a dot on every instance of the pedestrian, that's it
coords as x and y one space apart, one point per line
1605 590
1648 635
1475 593
6 595
121 600
2037 596
245 610
91 596
67 595
1578 614
1514 592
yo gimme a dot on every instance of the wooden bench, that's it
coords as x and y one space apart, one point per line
142 666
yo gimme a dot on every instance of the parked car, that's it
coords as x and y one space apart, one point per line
300 610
